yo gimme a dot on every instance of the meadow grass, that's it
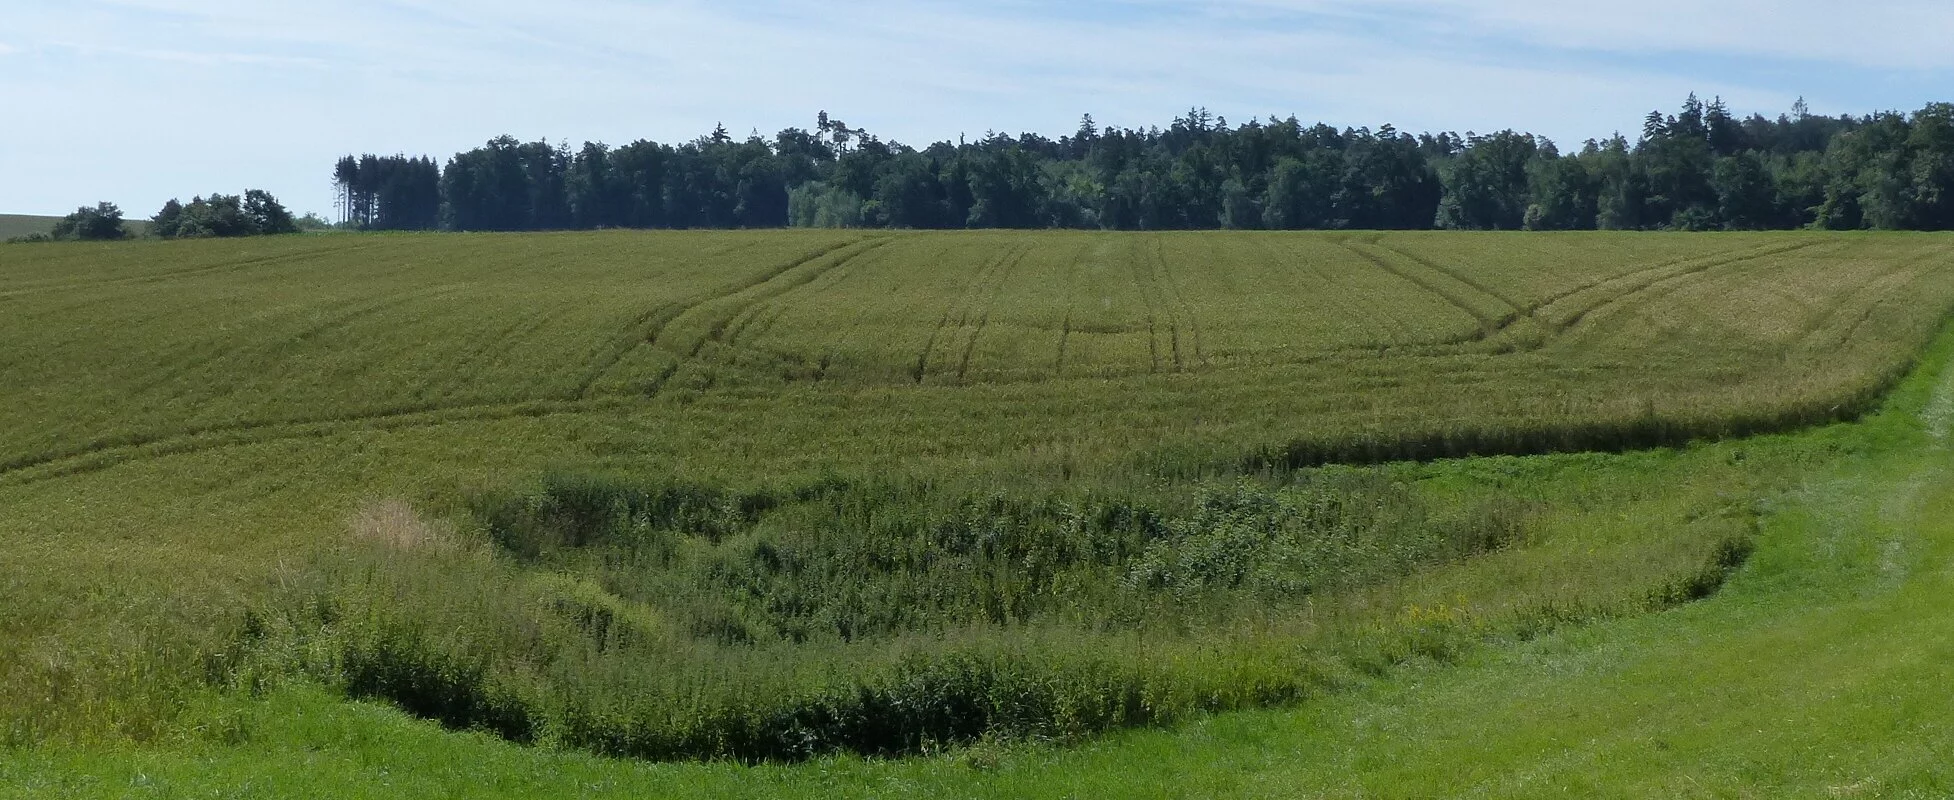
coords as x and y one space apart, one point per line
769 496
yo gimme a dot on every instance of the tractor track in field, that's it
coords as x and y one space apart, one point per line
997 286
110 453
1153 343
1158 289
1393 327
1064 338
173 365
1494 326
163 277
769 310
1671 264
640 333
105 454
1143 282
742 320
760 323
1070 279
1875 292
353 311
370 309
1456 274
1488 324
1666 275
795 278
959 308
1591 320
499 342
1176 297
827 359
646 328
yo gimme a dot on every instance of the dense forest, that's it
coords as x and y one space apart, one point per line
1702 168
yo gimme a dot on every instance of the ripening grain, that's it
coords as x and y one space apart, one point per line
1310 348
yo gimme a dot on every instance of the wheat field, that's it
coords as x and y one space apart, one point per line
763 495
1415 344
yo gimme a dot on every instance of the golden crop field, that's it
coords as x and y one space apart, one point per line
764 495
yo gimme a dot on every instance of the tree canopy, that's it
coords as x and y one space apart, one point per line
255 213
1699 168
101 223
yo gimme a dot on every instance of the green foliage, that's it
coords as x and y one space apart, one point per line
1700 169
1487 185
313 222
1272 548
101 223
1745 195
391 193
267 216
1565 195
1894 173
1299 193
817 205
220 216
168 222
256 213
668 620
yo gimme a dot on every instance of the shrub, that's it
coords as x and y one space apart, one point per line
101 223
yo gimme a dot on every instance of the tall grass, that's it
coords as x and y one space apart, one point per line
667 620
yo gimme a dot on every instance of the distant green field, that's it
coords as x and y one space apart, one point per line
12 225
771 495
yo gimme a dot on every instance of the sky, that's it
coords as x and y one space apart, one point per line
138 101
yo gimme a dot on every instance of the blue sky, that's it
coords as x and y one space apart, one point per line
137 101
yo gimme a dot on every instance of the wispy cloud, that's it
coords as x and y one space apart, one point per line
1887 34
202 59
432 76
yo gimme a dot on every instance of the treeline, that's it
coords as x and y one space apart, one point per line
254 213
388 193
1702 168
